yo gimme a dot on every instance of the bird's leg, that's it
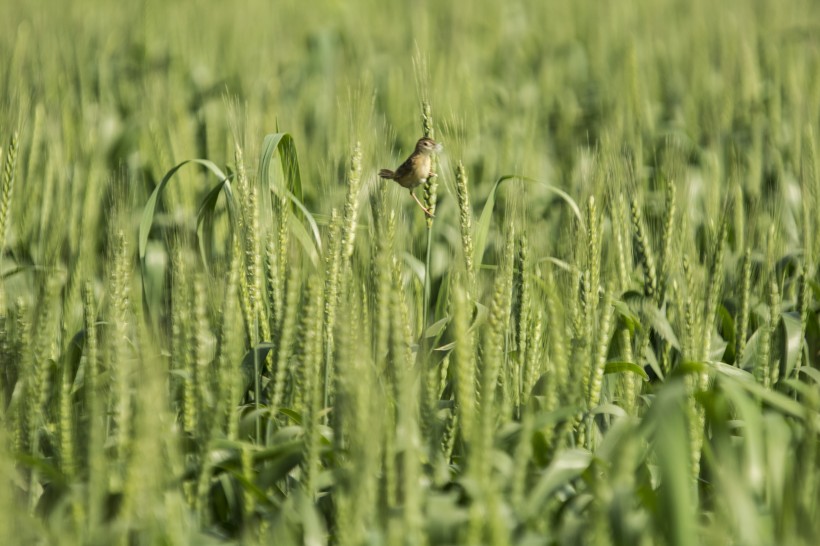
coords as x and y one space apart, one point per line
413 195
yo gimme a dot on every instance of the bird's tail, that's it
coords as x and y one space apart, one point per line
386 173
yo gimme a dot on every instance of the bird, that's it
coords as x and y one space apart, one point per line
416 169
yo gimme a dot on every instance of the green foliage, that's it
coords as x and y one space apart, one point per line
295 354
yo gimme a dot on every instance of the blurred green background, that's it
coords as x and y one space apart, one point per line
530 88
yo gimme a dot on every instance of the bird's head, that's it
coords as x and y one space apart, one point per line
427 146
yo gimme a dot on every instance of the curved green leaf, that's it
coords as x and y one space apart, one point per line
437 327
661 325
628 316
792 341
561 264
147 219
776 400
726 372
608 409
298 230
415 265
621 366
481 313
71 361
483 226
731 371
284 144
690 366
564 468
813 373
205 216
305 213
727 329
482 229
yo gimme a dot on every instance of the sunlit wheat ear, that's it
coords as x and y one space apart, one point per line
95 431
536 362
510 375
493 358
804 303
593 221
229 344
333 259
464 363
201 341
465 220
282 211
691 314
431 185
68 440
245 304
7 189
274 285
260 327
762 370
582 339
628 384
45 337
556 342
713 290
667 240
311 362
605 324
383 283
773 364
742 320
287 334
117 347
646 256
23 355
351 210
244 245
181 337
620 228
522 310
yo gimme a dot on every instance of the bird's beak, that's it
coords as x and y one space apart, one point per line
438 147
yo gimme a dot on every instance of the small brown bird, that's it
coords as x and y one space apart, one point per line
416 169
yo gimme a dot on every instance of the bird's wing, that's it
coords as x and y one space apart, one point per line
404 169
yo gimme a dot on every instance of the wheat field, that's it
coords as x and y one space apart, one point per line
219 326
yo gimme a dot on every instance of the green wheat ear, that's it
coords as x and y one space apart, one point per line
351 209
464 364
742 320
7 189
465 220
311 354
431 185
646 256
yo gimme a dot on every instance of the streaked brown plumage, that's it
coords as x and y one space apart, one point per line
416 169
